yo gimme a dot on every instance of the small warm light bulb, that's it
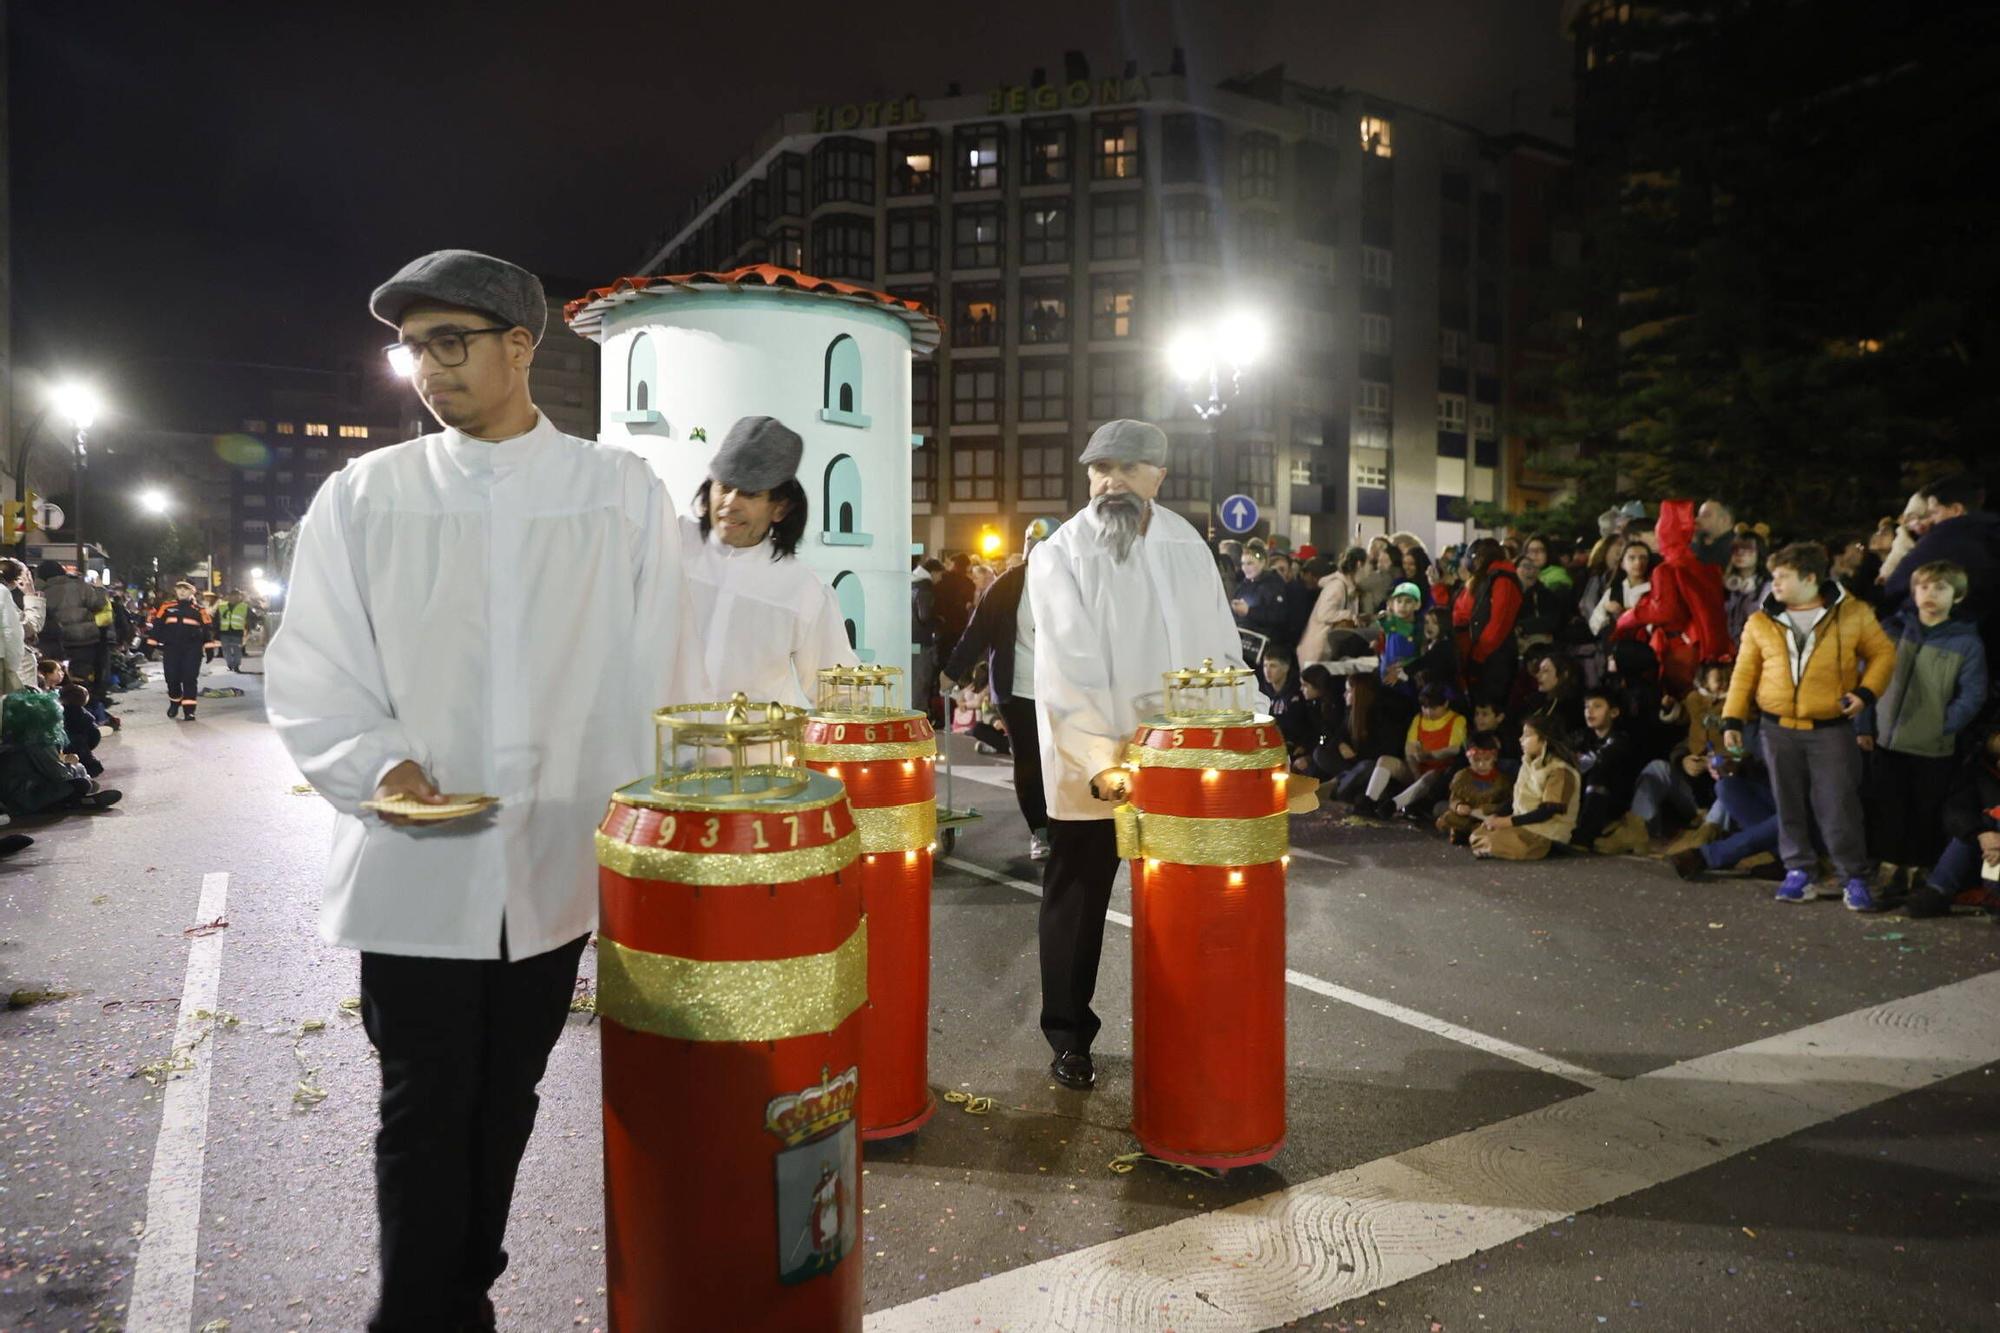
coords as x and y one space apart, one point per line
910 857
833 771
1235 877
932 849
1285 860
909 765
1210 774
1152 864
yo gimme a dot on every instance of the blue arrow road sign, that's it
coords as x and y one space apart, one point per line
1239 513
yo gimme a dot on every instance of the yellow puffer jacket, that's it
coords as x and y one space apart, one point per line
1848 652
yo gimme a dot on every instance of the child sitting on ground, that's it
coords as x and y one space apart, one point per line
1431 747
1972 826
974 714
1477 790
1546 795
81 727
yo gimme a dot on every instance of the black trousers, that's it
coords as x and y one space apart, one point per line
463 1044
1076 892
182 667
1025 743
1905 807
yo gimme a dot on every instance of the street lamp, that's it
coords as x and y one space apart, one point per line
154 502
79 404
1200 354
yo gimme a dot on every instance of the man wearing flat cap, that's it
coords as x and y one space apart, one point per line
766 622
495 608
1121 594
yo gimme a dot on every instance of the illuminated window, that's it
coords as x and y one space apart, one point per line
1045 152
315 428
1377 136
978 151
1111 303
1484 425
285 428
975 314
354 432
912 164
1116 136
1044 310
1045 231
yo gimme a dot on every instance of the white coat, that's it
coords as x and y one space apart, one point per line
1105 632
508 615
765 626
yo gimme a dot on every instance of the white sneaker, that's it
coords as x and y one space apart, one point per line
1038 847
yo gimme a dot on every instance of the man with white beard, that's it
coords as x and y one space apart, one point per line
1121 594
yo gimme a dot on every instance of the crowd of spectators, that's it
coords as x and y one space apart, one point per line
1676 684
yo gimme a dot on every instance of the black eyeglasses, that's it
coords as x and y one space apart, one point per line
447 348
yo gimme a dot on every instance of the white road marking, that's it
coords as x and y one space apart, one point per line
163 1281
986 775
1306 854
1298 1251
1506 1050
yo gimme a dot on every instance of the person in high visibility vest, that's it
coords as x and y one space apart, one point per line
183 631
233 619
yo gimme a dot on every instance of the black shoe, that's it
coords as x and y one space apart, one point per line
1925 902
1073 1069
15 842
1459 837
174 708
100 800
189 715
1688 865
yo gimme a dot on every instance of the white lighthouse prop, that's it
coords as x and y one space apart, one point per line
685 356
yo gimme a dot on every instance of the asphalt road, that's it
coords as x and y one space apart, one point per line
1879 1217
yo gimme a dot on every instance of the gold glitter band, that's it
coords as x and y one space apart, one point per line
1200 842
766 1000
896 828
726 867
1145 756
854 754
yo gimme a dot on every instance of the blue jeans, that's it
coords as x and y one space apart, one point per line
1958 869
1753 810
1663 793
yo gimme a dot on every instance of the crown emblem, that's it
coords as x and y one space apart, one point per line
798 1116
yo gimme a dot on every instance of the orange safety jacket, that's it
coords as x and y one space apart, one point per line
181 624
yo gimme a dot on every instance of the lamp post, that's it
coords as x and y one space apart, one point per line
1201 355
79 404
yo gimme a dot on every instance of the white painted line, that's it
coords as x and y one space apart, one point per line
1506 1050
163 1281
1023 885
1464 1036
986 775
1291 1254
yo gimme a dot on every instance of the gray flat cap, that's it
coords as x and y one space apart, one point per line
469 280
1127 441
757 454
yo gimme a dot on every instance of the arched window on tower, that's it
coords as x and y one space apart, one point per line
840 507
642 384
841 402
853 612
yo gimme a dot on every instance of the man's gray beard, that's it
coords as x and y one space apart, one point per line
1121 515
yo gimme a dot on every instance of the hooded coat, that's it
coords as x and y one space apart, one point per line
1681 615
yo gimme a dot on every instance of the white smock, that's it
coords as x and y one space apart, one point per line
1105 632
766 626
508 615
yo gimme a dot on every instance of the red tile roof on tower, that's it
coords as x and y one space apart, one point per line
585 315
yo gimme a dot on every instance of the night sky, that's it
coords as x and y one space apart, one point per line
232 188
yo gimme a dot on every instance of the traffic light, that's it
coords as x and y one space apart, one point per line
17 518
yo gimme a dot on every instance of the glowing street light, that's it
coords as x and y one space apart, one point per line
1237 341
155 502
79 403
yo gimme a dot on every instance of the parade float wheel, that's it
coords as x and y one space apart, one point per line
947 839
